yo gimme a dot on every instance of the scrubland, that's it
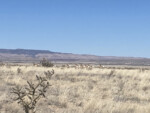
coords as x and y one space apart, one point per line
79 90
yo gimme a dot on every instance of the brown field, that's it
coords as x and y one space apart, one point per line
97 90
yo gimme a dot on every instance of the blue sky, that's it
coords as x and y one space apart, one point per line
99 27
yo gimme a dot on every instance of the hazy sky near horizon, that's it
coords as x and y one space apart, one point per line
99 27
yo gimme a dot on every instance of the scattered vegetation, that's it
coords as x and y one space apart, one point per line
19 70
46 63
49 74
29 96
75 89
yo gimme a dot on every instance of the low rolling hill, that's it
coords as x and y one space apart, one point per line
27 55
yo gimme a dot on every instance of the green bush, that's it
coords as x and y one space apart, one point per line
46 63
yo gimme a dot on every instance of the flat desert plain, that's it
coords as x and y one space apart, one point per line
75 90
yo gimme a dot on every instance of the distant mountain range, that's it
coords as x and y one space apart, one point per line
27 55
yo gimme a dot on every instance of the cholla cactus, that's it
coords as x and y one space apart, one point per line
29 96
49 74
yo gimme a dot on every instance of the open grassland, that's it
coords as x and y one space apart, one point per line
80 91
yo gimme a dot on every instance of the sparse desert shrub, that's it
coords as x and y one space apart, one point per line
2 64
111 74
19 70
49 74
80 91
141 70
29 96
8 66
121 86
145 88
57 102
46 63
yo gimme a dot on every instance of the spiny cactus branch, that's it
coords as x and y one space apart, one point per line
29 96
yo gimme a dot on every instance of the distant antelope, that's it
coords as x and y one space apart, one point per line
36 65
88 67
100 66
76 66
67 65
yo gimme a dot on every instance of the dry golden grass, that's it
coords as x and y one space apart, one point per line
81 90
